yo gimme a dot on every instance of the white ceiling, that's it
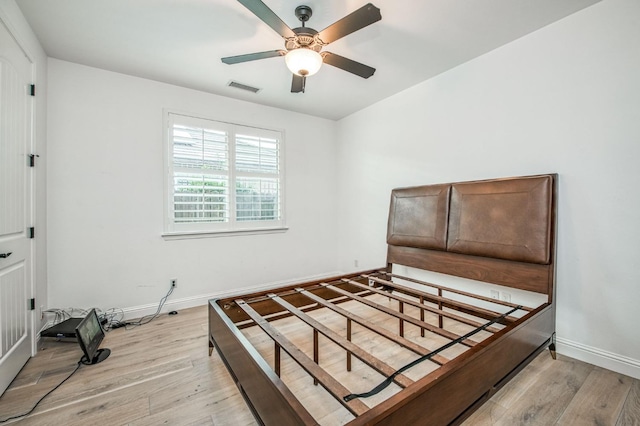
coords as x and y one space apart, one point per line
181 42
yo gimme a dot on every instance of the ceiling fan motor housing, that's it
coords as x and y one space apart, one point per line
303 13
305 37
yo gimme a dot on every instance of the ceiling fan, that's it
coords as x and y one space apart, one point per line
303 45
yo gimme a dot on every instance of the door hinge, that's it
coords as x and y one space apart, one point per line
32 304
32 91
32 232
32 159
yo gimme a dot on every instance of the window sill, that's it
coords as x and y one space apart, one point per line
188 235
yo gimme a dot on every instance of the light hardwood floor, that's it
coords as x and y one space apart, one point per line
160 373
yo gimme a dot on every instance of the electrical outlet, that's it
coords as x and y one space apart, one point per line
505 297
174 282
495 294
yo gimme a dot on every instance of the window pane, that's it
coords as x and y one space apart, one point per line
256 154
198 148
200 198
222 176
257 199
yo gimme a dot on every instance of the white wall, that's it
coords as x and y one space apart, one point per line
106 196
20 29
564 99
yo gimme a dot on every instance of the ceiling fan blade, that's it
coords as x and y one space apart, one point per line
230 60
366 15
268 17
349 65
297 84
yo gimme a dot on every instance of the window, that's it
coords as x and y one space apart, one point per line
222 177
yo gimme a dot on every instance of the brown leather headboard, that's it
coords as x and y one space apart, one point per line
418 217
508 220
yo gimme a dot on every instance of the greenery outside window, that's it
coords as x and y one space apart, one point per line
222 177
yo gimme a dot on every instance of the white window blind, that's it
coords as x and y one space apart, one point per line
222 177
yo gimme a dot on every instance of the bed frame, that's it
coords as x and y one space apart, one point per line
499 231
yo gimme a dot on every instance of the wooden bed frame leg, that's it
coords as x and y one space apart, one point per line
276 359
421 316
349 339
316 354
401 325
440 321
552 346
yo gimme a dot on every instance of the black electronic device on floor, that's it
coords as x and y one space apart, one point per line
64 329
90 334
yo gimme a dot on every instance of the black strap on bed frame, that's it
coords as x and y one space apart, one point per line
430 355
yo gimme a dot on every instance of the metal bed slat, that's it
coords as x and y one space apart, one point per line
481 312
408 344
327 381
417 361
418 323
373 362
427 308
453 290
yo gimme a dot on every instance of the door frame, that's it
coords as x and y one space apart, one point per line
31 187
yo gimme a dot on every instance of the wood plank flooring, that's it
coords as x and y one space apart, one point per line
160 373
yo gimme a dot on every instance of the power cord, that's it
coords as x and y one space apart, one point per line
112 318
45 395
148 318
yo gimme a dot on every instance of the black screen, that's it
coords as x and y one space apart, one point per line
89 334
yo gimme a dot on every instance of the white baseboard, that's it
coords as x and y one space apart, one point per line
200 300
601 358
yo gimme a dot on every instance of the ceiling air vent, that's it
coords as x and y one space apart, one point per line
243 87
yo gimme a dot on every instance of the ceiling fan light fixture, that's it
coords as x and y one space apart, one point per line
303 61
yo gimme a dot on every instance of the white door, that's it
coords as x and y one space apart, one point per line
15 208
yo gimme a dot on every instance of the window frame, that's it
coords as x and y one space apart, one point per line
233 226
